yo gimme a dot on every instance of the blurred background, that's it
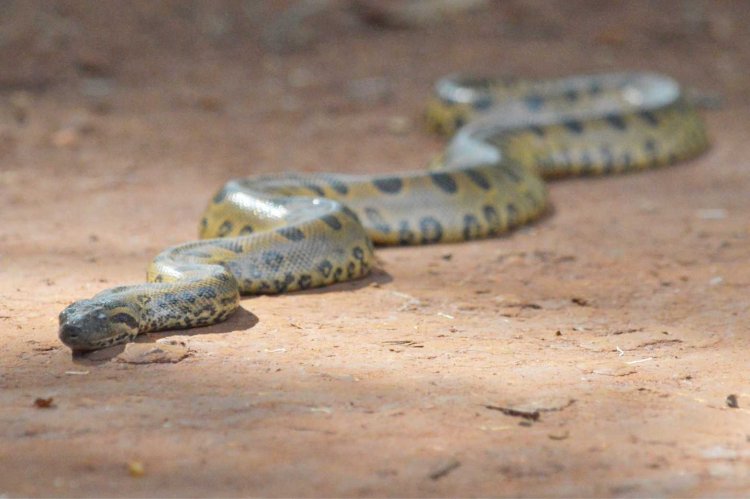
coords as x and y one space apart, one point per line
256 65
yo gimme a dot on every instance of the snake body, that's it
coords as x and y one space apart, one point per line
288 232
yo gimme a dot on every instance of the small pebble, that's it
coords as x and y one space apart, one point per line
399 125
136 469
732 401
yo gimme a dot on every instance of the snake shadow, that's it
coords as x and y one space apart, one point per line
377 276
241 320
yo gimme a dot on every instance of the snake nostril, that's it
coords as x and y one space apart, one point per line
70 332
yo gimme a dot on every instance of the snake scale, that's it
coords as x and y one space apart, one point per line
288 232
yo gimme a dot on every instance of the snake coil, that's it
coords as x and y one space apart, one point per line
288 232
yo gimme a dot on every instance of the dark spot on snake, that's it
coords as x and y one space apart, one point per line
472 228
543 163
377 220
223 277
226 228
574 126
511 173
564 158
445 182
337 272
236 268
232 245
672 158
338 186
458 121
627 159
313 187
431 229
405 234
159 278
478 178
291 233
350 213
204 224
587 163
273 260
649 117
171 300
245 230
325 268
304 281
492 219
210 309
281 286
537 130
595 88
350 270
608 160
228 300
221 195
358 253
616 121
264 287
332 221
572 95
388 185
534 102
120 337
512 212
123 318
483 102
187 296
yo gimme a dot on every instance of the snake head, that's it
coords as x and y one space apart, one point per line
98 323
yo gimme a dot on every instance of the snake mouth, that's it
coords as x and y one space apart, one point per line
73 337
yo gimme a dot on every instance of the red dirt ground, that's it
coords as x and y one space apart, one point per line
622 318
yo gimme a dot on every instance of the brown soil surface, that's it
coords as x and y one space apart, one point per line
620 320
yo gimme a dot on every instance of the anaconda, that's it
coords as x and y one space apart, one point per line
288 232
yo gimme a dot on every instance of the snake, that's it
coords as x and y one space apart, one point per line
284 232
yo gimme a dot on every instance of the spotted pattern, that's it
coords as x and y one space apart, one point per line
445 182
287 232
388 185
291 233
331 221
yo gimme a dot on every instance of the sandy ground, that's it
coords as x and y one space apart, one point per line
592 354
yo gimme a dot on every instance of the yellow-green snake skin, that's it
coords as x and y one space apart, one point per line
279 233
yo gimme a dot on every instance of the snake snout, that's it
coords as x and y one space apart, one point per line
92 324
74 336
69 333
